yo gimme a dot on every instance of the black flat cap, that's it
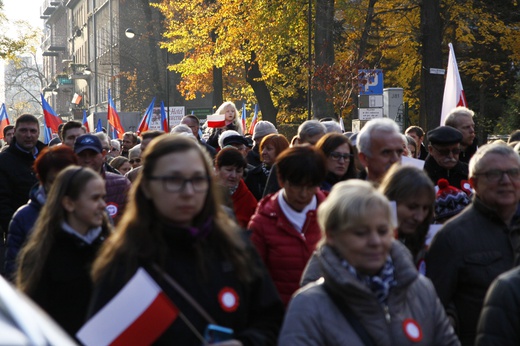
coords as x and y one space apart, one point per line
235 140
444 135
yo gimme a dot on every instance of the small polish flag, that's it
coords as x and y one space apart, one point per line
216 120
137 315
76 99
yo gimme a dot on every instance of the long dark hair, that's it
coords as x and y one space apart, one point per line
70 182
138 237
328 143
402 183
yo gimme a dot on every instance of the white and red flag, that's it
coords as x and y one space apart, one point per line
216 120
453 91
137 315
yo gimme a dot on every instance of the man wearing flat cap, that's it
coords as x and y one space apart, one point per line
443 158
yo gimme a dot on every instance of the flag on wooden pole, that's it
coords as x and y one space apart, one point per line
453 91
51 121
144 125
254 121
85 121
113 119
244 115
164 120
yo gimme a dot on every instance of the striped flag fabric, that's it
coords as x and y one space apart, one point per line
244 115
144 125
85 122
216 120
453 91
254 121
164 120
113 119
4 120
51 121
137 315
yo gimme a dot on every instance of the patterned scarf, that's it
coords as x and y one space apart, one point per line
266 169
381 283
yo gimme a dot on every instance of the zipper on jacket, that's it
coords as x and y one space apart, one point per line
388 318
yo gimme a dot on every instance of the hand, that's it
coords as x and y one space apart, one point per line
233 342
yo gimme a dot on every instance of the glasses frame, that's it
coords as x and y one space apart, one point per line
449 151
492 174
185 181
346 157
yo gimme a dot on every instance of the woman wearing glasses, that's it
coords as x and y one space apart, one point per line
340 159
175 228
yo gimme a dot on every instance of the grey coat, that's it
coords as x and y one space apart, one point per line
313 319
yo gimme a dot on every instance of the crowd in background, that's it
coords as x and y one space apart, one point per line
381 237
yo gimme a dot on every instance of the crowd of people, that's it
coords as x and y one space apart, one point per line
327 238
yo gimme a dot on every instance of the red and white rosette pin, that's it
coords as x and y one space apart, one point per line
412 330
228 299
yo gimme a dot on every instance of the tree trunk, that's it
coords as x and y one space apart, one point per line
262 93
366 29
218 87
432 85
322 105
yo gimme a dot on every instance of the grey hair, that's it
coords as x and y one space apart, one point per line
181 128
135 151
452 119
310 128
103 138
364 138
226 134
497 148
332 126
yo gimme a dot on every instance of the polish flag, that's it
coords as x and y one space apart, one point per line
453 91
216 120
137 315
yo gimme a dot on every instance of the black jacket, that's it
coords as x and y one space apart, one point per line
16 180
457 176
64 288
499 323
256 181
255 318
466 255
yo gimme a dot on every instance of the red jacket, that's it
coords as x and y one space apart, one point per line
244 204
284 250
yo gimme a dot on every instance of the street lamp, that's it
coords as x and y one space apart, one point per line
130 33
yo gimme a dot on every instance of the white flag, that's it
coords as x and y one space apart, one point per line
453 91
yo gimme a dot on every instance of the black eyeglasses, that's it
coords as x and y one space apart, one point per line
178 184
336 156
446 151
494 175
134 160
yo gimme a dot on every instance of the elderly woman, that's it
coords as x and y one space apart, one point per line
175 228
371 292
270 147
229 169
340 159
284 228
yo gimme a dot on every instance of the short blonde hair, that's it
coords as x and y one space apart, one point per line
349 204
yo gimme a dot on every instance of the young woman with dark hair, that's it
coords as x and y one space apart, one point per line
54 265
175 226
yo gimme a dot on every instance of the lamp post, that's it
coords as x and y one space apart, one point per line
130 33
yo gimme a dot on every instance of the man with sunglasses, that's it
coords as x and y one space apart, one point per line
481 242
443 159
